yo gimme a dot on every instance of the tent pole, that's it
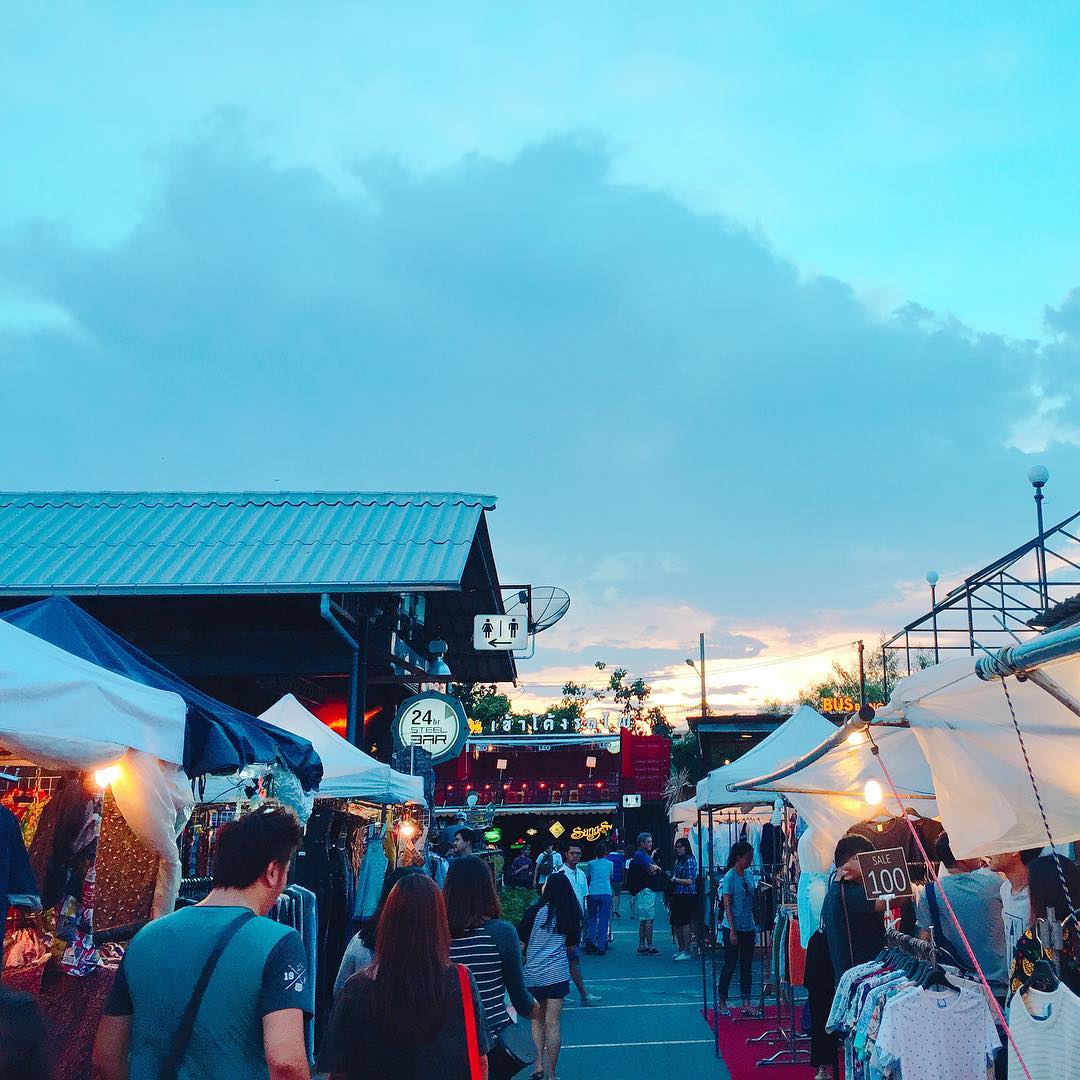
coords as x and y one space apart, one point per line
849 727
1057 692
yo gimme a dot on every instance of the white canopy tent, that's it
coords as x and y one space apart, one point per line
962 746
348 773
802 731
62 712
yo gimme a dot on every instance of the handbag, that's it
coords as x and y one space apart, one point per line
472 1040
182 1036
514 1049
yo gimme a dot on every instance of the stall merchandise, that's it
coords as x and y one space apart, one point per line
84 745
904 1015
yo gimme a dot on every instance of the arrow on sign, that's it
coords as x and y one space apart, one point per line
495 643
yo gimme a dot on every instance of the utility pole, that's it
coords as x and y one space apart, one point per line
701 670
862 675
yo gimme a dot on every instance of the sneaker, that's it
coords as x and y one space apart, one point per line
682 956
592 999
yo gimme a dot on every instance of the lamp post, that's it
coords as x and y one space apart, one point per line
932 580
700 669
1037 477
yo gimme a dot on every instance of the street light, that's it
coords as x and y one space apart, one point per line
1037 477
932 580
701 671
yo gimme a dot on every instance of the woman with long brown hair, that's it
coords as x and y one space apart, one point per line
412 1014
489 948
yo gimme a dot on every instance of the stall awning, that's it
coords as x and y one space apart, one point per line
218 737
802 730
348 773
63 711
962 745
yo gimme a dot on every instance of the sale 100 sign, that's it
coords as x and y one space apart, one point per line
885 874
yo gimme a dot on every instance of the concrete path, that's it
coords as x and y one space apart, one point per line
649 1025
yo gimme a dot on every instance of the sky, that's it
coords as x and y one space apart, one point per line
749 314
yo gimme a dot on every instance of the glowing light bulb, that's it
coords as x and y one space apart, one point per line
872 793
104 777
856 738
408 830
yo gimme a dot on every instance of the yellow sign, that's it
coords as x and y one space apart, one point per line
843 704
592 833
556 829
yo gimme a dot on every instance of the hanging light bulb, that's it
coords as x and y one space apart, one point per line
104 777
856 738
872 793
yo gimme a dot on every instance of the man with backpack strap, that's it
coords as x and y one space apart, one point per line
549 862
217 991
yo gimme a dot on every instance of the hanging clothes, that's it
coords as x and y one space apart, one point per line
17 884
820 986
1046 1027
369 883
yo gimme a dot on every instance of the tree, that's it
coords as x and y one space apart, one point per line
686 757
631 698
483 702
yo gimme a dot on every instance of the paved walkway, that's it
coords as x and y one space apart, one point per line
649 1025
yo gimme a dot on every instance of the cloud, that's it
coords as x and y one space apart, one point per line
684 429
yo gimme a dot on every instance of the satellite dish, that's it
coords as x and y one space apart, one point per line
549 604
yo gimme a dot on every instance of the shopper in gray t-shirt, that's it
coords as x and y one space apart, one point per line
975 895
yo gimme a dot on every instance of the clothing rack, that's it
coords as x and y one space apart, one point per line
913 946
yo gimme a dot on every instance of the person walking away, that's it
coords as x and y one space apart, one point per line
975 895
684 897
617 859
360 952
1015 895
249 1023
550 929
413 1014
547 864
489 948
640 877
521 872
599 871
738 926
580 882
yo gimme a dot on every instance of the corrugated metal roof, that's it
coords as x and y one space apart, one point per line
79 543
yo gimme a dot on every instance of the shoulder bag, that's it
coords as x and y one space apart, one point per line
472 1039
947 952
182 1036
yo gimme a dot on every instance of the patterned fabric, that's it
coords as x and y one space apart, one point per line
686 868
1026 955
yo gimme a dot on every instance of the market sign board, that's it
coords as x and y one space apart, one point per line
500 632
434 722
885 874
591 833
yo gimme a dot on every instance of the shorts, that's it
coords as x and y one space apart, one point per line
572 954
682 907
645 904
547 993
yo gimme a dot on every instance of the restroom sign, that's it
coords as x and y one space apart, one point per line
505 632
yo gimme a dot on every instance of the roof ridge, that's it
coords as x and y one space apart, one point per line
150 499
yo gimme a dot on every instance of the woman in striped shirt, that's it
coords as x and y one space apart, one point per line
549 930
486 945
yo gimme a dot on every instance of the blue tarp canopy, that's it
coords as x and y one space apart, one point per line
218 738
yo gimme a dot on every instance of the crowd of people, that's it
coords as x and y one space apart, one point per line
436 983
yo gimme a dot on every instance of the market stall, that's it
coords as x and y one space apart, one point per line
91 771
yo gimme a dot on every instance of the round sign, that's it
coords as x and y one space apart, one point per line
434 722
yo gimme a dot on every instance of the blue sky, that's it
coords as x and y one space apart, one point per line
765 308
